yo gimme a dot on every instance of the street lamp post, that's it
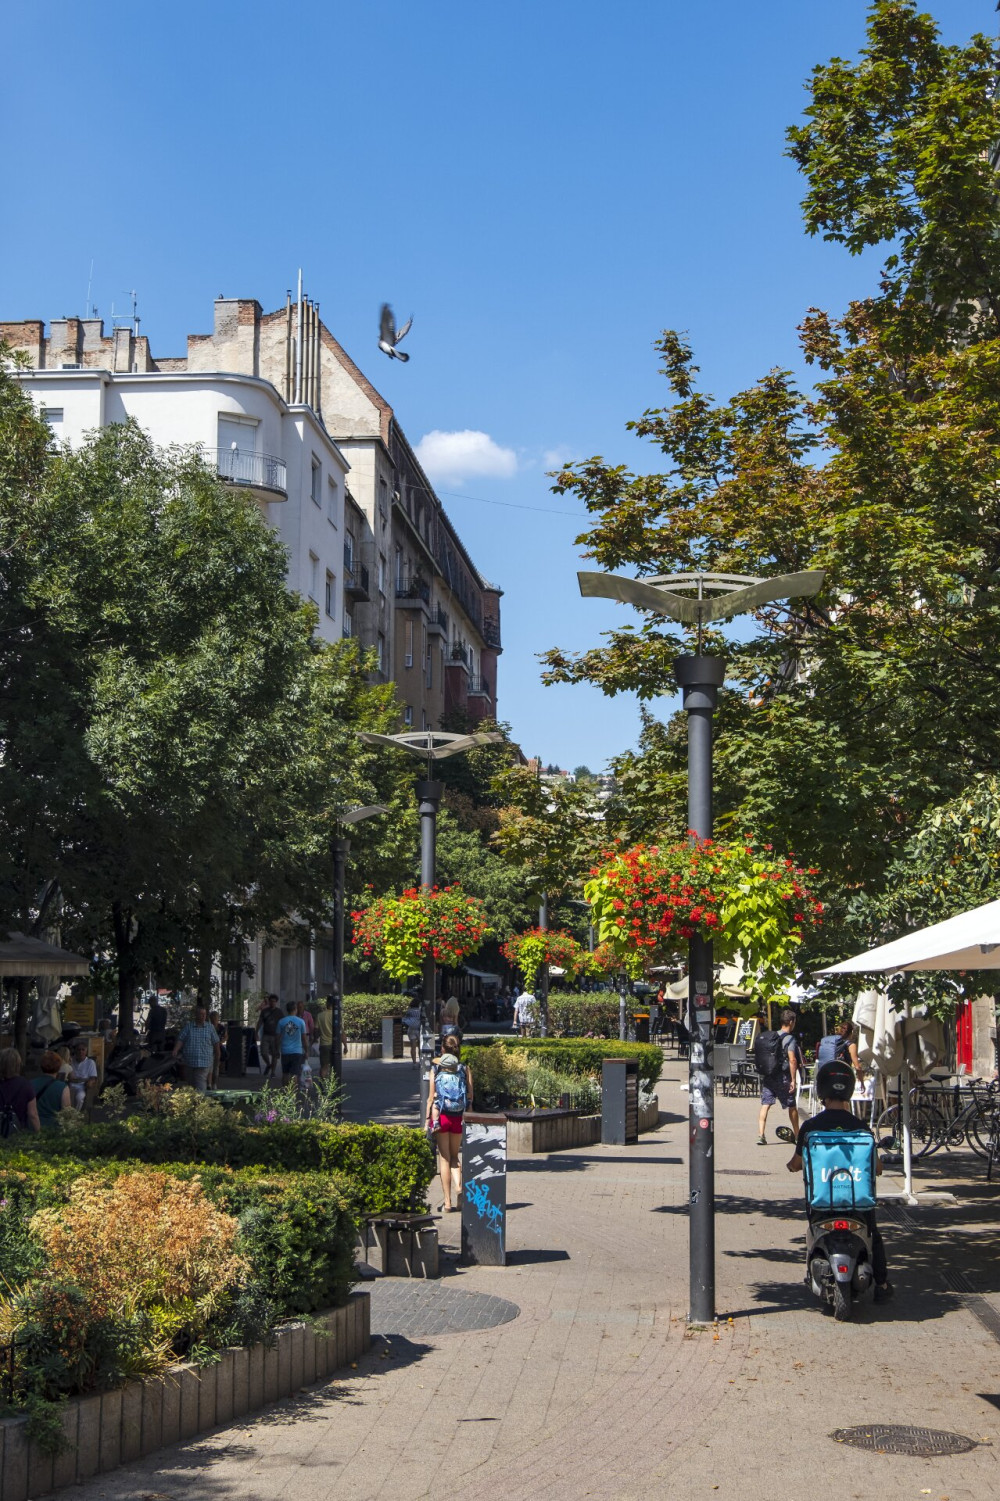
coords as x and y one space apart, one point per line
700 678
543 972
430 746
341 850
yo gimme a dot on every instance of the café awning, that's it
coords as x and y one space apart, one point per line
23 958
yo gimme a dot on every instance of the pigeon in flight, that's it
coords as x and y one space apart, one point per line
388 338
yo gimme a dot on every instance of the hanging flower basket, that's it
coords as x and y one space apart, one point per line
649 900
401 931
528 951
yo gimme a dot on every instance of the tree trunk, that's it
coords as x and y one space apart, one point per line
21 1017
122 920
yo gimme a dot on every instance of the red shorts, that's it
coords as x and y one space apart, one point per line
450 1123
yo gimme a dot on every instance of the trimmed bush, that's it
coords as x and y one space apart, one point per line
363 1015
388 1167
585 1015
582 1056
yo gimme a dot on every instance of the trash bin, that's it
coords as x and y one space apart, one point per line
237 1048
484 1189
641 1021
392 1037
619 1102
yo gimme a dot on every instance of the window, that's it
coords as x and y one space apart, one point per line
349 541
331 501
426 657
408 714
408 649
348 623
423 719
381 573
380 651
313 577
331 594
383 497
316 481
400 577
238 434
54 417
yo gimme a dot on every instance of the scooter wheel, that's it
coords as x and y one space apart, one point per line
841 1302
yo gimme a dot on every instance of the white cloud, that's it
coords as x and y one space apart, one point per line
557 458
454 457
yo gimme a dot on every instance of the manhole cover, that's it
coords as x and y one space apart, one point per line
886 1438
401 1305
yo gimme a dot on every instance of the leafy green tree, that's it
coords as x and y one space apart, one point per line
851 714
551 832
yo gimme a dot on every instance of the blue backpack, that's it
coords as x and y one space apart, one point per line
839 1170
450 1090
831 1047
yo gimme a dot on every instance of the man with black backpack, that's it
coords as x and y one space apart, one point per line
778 1061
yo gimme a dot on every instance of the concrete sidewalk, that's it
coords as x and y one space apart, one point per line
597 1388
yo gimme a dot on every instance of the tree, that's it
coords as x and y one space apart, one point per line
851 714
550 831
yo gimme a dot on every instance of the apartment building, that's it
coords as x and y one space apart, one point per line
83 379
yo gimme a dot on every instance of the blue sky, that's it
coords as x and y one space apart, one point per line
544 184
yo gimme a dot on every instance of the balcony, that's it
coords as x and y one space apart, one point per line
480 686
356 581
257 471
438 623
460 654
491 633
413 594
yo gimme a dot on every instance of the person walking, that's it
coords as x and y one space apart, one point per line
18 1110
448 1098
450 1026
841 1046
778 1061
51 1091
411 1026
156 1025
324 1029
292 1042
198 1049
267 1034
524 1012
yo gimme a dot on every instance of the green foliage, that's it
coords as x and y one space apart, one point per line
401 931
551 832
389 1167
583 1015
363 1015
576 1056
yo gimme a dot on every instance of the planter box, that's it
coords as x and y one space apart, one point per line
531 1131
363 1050
111 1428
649 1115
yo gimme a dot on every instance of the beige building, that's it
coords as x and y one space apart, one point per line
398 578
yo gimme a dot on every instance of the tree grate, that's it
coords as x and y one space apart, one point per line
922 1443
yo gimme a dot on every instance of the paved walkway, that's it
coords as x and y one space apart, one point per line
597 1388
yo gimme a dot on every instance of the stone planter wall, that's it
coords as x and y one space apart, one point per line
363 1050
562 1130
109 1429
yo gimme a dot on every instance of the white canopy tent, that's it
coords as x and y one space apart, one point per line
970 941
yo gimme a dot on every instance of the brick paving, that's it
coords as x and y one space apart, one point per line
598 1388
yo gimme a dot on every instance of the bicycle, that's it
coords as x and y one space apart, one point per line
932 1128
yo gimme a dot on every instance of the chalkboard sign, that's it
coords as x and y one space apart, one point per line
747 1031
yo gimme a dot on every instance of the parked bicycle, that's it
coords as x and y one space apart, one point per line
938 1118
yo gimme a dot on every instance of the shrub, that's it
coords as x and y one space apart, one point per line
363 1015
584 1015
66 1346
578 1056
389 1167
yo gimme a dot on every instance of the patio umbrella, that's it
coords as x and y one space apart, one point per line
22 957
969 941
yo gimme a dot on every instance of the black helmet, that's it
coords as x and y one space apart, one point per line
835 1081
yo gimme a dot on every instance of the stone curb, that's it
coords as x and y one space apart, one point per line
108 1429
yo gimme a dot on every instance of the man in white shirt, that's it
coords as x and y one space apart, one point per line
84 1070
524 1012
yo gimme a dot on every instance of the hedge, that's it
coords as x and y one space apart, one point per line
363 1015
581 1015
577 1055
388 1168
298 1231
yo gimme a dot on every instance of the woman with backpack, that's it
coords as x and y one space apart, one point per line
840 1046
448 1098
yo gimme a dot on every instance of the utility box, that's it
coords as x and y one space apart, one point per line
392 1037
484 1189
619 1102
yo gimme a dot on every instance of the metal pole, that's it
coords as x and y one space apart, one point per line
543 973
700 678
341 849
429 798
622 1011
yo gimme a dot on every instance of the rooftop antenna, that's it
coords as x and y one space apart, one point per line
135 313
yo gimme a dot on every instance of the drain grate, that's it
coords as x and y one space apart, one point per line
922 1443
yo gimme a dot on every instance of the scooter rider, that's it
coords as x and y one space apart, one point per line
835 1086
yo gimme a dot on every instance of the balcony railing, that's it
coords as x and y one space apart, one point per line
412 591
460 654
261 471
491 632
437 625
356 580
480 685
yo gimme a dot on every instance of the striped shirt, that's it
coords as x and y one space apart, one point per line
198 1044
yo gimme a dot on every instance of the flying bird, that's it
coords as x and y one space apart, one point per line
388 338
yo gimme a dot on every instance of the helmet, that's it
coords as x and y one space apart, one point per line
835 1081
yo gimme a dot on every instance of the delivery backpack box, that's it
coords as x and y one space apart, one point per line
839 1170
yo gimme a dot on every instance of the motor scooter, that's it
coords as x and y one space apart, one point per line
840 1188
131 1064
839 1258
